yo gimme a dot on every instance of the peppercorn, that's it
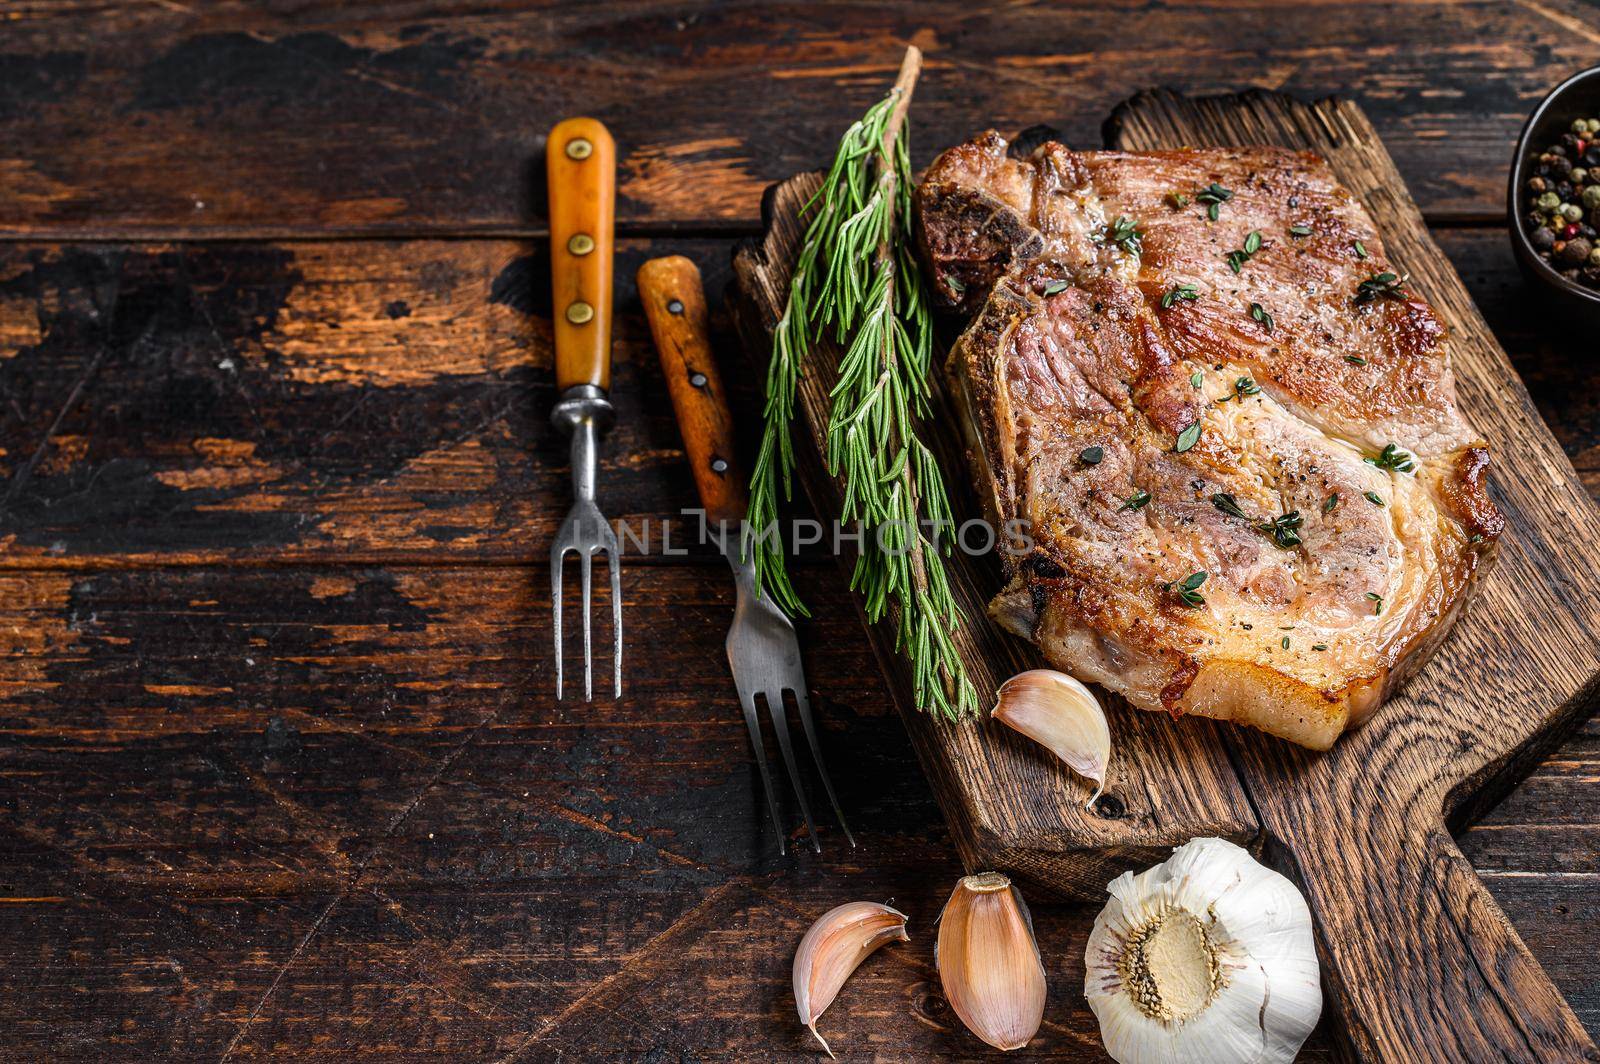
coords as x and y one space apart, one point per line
1562 219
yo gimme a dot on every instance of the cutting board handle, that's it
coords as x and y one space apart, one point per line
1418 961
675 303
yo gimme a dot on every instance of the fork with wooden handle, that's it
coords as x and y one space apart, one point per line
581 163
762 649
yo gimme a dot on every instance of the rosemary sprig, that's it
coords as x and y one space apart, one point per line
857 283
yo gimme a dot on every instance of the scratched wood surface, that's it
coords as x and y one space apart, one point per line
281 776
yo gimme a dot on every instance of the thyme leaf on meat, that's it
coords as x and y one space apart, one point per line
1380 286
1242 388
1124 233
1188 437
1188 590
1284 530
1137 501
1373 497
1377 602
1185 292
1228 504
1299 230
1213 196
1092 455
1262 315
1237 259
1331 503
856 287
1392 457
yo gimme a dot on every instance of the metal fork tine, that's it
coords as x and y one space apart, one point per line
803 707
753 722
780 729
558 558
616 622
586 558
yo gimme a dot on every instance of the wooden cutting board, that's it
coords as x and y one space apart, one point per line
1418 961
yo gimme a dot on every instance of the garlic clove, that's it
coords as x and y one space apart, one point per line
989 963
1063 715
1208 956
833 948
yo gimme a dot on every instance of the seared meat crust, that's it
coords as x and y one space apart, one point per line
1298 378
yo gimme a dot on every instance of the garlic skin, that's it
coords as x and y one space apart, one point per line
989 963
1208 956
1064 716
833 948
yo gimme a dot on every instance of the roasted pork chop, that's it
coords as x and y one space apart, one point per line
1228 421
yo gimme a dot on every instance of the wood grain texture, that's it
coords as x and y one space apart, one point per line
1363 826
1383 877
192 404
225 118
581 176
196 763
673 298
383 401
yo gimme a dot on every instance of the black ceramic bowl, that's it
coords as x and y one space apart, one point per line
1577 97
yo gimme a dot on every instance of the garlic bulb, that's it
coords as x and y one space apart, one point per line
833 948
1208 956
1057 711
988 962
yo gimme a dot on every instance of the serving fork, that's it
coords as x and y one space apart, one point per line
581 163
762 649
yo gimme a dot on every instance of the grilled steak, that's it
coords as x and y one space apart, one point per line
1235 438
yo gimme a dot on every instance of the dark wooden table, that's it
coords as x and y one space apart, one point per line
283 777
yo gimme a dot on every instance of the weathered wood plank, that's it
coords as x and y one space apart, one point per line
229 418
204 770
165 120
205 403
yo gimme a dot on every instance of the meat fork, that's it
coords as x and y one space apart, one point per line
581 164
762 649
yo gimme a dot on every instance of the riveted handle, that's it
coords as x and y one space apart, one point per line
675 303
581 164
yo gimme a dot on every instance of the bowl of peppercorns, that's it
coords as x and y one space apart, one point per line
1554 199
